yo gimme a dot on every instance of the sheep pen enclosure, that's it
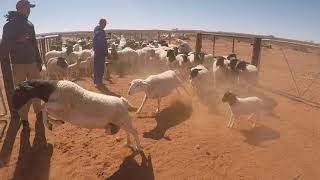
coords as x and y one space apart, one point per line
186 140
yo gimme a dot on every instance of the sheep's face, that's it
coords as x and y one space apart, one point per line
220 61
232 56
242 65
111 129
233 63
194 73
22 94
137 85
229 97
170 55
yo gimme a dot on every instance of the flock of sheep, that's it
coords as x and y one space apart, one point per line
174 64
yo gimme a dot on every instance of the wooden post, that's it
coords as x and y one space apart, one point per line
8 85
233 42
198 43
158 36
43 44
170 38
213 45
256 52
140 36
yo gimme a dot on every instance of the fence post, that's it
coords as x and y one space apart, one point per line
198 43
8 86
43 44
256 52
158 36
170 38
140 36
213 45
233 43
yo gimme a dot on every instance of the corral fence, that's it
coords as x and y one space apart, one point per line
290 69
48 43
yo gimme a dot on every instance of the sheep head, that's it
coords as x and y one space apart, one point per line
229 97
137 85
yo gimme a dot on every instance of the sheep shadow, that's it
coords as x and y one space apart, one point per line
33 161
169 117
104 90
9 139
130 169
259 134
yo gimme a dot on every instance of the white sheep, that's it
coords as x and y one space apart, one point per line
248 73
252 106
200 78
67 101
156 87
220 71
57 68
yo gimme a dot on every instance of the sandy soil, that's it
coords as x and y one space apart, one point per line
186 141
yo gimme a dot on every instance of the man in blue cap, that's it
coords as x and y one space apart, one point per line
100 52
20 46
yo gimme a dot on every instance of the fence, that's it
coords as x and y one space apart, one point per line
285 68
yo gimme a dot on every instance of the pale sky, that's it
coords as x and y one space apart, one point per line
294 19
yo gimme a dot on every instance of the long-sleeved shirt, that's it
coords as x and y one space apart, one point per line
100 42
19 41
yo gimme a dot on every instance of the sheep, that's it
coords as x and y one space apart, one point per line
77 47
184 65
199 79
220 71
57 68
196 58
85 66
247 72
67 101
171 61
252 106
156 87
74 69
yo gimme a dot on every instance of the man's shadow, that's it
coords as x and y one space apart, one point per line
104 90
131 169
171 116
33 161
9 139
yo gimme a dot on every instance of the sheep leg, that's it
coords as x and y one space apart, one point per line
129 129
143 102
45 118
158 108
230 120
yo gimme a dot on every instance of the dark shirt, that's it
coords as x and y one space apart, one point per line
100 42
19 41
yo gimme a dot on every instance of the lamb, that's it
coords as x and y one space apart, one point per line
67 101
199 78
184 65
57 68
196 58
156 87
74 69
220 71
252 106
247 72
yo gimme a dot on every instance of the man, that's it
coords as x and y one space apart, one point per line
19 44
100 52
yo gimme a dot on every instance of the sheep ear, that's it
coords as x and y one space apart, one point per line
144 83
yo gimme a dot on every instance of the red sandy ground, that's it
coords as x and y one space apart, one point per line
185 142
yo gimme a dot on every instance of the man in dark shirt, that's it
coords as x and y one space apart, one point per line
100 52
20 46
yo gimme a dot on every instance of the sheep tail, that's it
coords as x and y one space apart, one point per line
128 105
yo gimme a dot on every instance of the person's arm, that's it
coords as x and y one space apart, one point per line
5 45
35 46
